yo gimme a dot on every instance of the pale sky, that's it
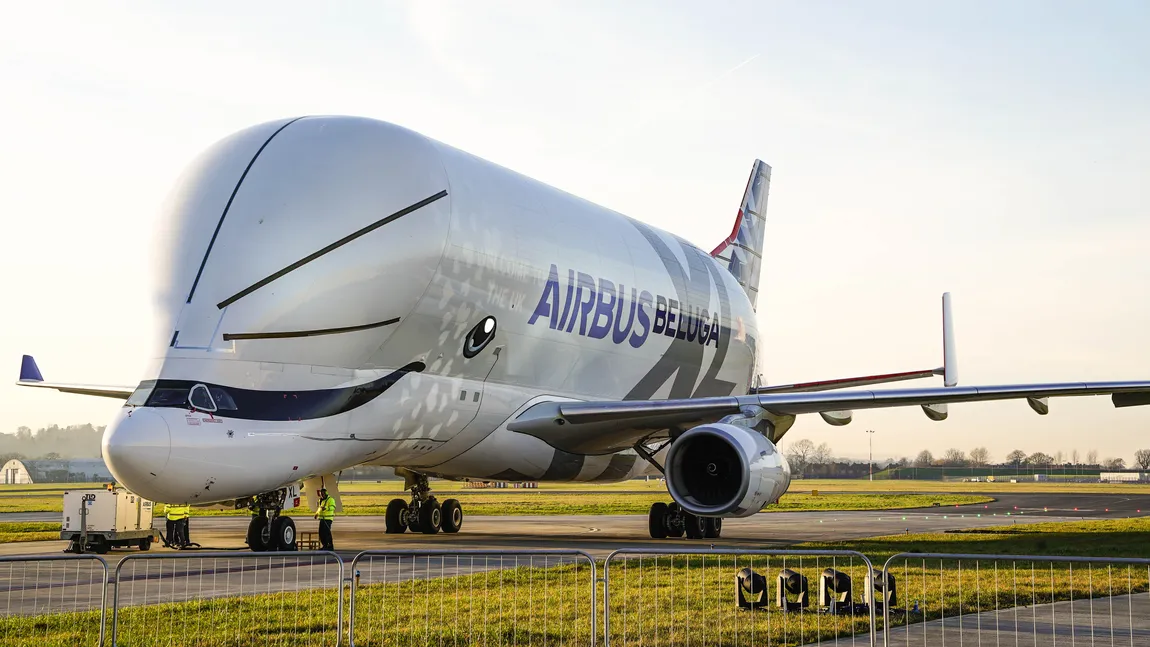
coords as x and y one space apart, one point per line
1000 151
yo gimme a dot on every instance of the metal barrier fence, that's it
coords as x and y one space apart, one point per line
431 597
721 596
67 595
650 597
221 599
973 599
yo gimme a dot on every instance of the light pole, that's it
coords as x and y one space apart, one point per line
870 439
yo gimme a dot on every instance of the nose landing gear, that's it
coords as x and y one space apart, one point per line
425 513
270 529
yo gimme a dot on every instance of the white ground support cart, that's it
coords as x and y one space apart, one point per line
97 520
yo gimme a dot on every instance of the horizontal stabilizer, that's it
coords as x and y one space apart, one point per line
949 369
847 382
30 376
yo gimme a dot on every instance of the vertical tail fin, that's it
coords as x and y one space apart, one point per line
742 251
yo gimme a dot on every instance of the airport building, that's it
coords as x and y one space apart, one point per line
82 470
1124 477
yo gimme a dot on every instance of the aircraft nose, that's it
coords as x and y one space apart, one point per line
136 448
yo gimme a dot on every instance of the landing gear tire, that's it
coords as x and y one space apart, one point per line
430 517
452 515
395 519
283 534
712 527
674 529
259 535
694 526
657 520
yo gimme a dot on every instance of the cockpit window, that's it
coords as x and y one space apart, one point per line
224 402
140 395
201 399
169 397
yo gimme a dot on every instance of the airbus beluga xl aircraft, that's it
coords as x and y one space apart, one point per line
341 291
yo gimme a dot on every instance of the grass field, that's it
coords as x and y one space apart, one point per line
582 502
659 601
36 531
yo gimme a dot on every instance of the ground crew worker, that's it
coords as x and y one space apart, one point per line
184 526
325 514
178 518
169 526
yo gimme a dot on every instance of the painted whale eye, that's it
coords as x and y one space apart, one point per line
478 337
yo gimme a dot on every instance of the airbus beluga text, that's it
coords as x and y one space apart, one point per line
342 291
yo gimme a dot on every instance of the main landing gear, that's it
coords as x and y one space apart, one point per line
424 514
270 529
669 520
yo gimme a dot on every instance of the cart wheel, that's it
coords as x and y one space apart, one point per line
145 543
98 545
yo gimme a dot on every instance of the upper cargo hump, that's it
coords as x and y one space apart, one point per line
742 251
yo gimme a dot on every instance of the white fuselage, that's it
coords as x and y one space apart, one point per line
588 304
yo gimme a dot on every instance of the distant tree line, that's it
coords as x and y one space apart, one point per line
55 442
810 460
979 457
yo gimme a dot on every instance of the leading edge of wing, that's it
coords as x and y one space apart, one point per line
1130 393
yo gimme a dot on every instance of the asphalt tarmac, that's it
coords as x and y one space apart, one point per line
39 590
598 535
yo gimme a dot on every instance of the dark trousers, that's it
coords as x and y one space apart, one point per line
185 531
325 535
170 532
178 532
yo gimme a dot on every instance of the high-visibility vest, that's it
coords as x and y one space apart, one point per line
176 512
327 508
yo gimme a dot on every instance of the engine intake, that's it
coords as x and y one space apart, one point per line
725 470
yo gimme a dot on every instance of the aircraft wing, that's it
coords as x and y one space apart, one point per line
610 426
595 427
30 376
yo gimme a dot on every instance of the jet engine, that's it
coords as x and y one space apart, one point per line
725 470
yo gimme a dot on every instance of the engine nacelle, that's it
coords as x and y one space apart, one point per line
725 470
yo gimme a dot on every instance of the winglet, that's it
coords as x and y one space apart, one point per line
949 362
29 372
